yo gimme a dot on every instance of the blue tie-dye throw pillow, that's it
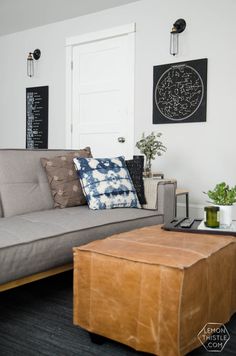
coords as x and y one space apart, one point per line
106 183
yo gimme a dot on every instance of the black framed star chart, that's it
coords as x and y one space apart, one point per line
180 92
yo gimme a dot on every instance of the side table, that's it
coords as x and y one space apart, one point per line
178 193
158 175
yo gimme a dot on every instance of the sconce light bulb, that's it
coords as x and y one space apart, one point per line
30 61
30 65
174 43
178 27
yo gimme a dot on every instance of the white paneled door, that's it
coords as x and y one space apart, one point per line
103 96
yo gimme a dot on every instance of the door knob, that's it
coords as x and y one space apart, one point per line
121 139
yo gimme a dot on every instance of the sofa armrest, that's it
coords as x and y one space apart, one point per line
160 196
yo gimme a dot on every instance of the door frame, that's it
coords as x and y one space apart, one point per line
128 29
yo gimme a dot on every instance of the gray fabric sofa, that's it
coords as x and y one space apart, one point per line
35 237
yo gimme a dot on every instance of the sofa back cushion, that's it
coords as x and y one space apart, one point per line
135 167
63 181
23 181
106 183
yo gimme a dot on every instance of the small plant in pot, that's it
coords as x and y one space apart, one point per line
223 196
151 147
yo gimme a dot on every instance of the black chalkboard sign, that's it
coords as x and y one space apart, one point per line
37 117
180 92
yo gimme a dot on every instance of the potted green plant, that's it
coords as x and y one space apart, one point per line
151 147
223 196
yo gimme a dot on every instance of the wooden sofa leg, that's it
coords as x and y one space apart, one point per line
97 339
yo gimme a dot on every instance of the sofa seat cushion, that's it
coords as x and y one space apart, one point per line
38 241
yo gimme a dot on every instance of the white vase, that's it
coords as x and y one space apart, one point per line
225 215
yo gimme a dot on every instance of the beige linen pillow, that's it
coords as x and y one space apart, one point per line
64 184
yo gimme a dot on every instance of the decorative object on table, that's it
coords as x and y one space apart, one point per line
212 216
37 117
135 167
178 27
229 230
223 196
199 227
180 92
30 61
106 183
151 147
62 178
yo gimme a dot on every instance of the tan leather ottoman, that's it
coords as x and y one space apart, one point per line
155 290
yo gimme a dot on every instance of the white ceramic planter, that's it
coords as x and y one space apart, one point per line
225 215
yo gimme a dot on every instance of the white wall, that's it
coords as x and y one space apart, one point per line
20 15
199 154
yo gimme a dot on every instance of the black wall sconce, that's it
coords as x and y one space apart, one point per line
178 27
30 61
